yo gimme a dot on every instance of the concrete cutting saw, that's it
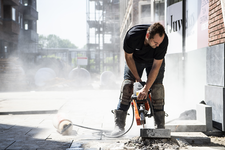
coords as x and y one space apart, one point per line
144 108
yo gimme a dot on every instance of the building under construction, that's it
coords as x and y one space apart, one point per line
103 35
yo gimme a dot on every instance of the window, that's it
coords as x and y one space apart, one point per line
145 11
13 14
19 18
5 49
21 21
26 25
159 10
25 2
34 4
170 2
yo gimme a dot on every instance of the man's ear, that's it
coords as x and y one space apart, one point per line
147 35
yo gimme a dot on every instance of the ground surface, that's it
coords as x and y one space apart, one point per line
26 122
137 143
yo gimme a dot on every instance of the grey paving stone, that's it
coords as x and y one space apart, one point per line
76 145
74 149
4 143
191 137
39 144
186 126
155 133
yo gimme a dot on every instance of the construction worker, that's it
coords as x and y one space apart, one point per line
145 47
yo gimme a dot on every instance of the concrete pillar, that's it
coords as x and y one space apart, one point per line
215 88
204 115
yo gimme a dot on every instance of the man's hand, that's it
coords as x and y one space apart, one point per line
138 80
143 93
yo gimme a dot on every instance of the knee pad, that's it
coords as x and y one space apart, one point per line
157 95
126 92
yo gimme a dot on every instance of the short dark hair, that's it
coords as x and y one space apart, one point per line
156 28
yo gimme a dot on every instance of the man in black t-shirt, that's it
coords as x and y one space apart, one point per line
145 47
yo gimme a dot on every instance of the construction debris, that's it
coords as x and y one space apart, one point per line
144 143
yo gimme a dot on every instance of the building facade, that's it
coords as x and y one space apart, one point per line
18 27
195 55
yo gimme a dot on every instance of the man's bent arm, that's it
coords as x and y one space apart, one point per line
132 66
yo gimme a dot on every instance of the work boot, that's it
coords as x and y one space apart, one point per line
159 117
119 118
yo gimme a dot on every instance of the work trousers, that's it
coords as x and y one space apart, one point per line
140 68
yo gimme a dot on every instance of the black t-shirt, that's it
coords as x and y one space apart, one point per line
134 43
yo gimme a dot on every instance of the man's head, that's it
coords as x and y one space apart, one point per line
155 35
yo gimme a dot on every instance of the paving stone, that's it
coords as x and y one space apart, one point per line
4 143
186 126
182 142
191 137
155 133
39 133
38 144
76 145
74 149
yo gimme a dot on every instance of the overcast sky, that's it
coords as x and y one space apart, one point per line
64 18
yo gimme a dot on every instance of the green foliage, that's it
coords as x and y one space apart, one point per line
110 59
53 41
51 56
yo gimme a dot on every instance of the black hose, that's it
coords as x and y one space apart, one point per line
104 132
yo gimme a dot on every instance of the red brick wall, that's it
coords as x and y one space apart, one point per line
216 25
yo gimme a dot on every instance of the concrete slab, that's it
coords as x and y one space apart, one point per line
185 126
191 137
214 132
155 133
182 142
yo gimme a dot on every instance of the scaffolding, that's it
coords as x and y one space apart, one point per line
103 35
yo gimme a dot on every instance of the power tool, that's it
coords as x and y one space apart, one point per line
141 107
144 108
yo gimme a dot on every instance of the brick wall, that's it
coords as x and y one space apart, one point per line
216 25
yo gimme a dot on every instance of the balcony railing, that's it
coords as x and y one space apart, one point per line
11 2
30 13
11 26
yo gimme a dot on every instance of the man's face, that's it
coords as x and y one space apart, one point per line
156 41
